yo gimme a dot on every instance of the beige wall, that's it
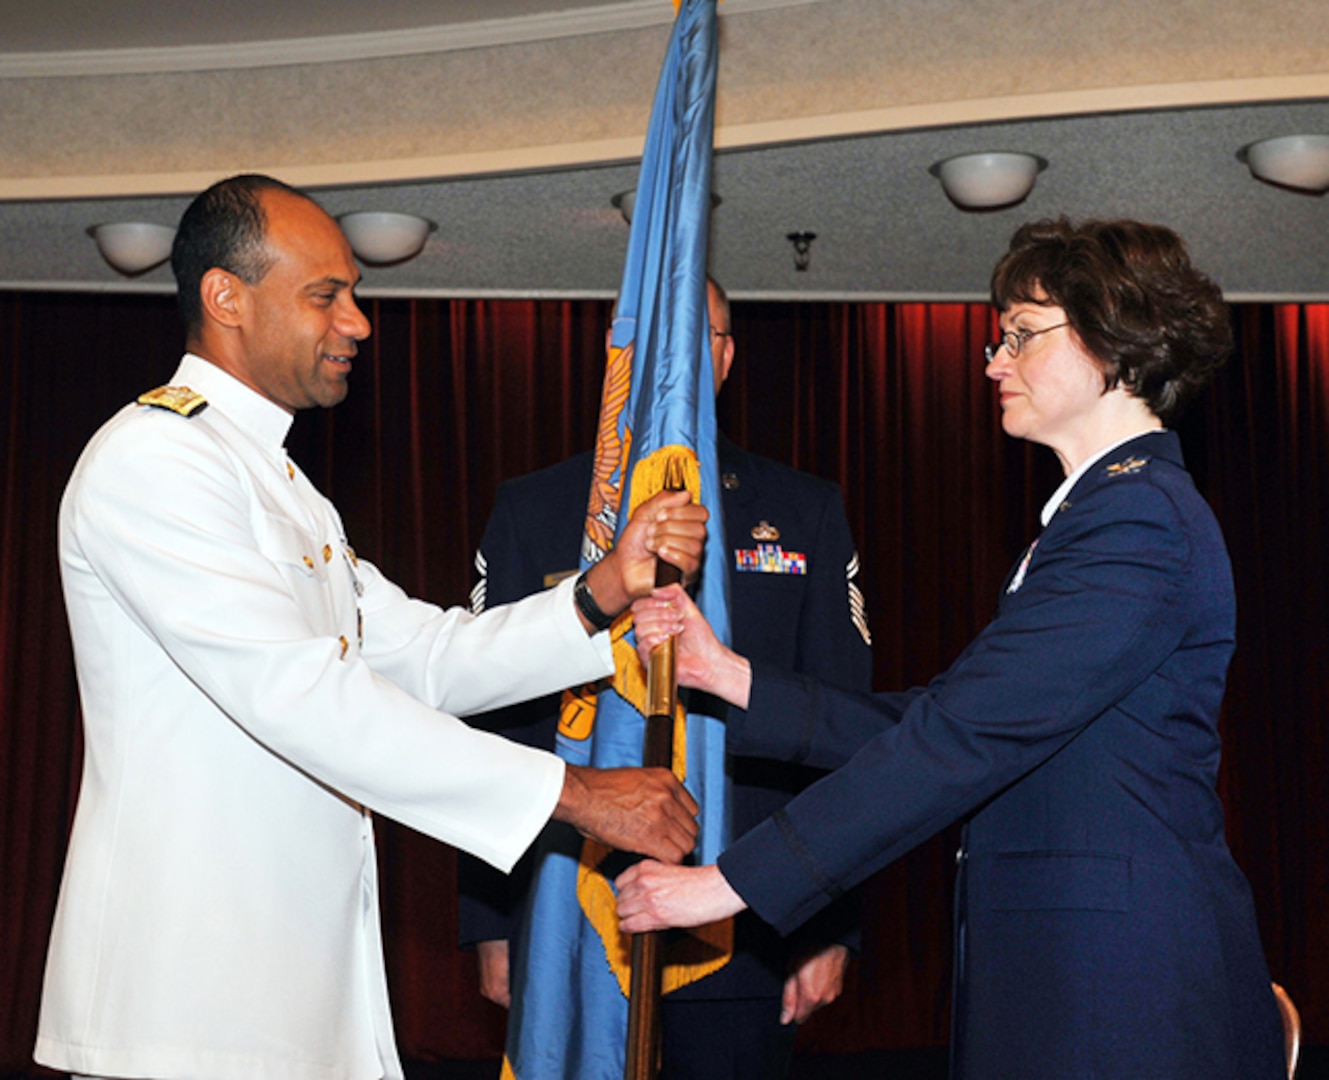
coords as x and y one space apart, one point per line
819 68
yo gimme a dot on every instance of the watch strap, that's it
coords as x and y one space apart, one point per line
585 601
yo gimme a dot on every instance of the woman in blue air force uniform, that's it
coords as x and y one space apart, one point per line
1102 927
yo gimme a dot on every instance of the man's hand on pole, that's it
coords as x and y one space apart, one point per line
669 525
643 810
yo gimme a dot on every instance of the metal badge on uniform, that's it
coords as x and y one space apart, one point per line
178 399
1127 467
770 559
729 481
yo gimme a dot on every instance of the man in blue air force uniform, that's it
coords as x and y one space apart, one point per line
794 602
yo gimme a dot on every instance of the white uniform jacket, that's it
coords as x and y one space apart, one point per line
219 913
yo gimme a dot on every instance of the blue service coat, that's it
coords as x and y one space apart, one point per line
1102 927
808 622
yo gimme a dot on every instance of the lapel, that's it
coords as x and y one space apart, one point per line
1129 458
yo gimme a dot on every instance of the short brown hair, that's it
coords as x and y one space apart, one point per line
1156 324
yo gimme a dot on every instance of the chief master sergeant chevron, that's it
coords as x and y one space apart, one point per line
251 690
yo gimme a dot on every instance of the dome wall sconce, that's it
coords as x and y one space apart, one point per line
133 247
1291 161
624 201
382 237
988 181
802 242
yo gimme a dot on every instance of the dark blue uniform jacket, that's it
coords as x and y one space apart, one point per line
1103 929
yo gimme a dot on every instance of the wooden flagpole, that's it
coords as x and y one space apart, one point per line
643 1057
643 1053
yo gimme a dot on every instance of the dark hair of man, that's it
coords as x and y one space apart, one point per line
1156 325
223 227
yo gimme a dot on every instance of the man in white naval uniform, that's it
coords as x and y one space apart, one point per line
251 689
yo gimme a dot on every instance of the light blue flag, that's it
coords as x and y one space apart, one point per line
571 968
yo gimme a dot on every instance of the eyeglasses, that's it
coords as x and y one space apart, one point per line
721 333
1015 340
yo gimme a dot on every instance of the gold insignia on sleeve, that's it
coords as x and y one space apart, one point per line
764 530
178 399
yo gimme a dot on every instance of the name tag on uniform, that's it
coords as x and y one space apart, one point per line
770 559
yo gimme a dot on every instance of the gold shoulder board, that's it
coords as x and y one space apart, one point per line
179 399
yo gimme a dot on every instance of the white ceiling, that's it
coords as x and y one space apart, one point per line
884 228
44 26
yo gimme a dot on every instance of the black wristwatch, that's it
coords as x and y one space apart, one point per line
585 600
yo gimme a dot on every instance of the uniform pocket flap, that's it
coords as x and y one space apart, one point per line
282 542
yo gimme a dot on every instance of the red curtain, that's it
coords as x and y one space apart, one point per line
886 399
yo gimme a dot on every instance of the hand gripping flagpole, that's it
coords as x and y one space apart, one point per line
657 751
